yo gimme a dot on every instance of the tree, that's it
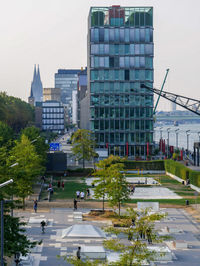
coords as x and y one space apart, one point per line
83 145
33 134
28 168
102 177
6 134
117 187
139 228
15 113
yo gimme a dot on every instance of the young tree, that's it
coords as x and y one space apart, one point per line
83 145
28 168
102 177
138 228
117 187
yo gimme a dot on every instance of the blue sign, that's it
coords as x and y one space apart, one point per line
54 146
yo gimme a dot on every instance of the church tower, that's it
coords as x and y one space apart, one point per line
36 93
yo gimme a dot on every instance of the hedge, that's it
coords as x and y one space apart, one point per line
178 169
145 165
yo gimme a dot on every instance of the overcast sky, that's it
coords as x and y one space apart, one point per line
53 34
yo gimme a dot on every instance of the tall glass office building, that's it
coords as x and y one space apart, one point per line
120 59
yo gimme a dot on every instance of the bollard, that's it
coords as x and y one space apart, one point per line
187 202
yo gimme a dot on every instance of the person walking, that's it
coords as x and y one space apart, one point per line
63 185
82 194
88 192
42 226
35 205
78 253
58 184
75 204
77 194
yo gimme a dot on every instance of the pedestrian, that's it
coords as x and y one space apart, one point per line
35 205
82 194
50 185
77 194
75 204
148 233
88 192
63 185
58 184
78 253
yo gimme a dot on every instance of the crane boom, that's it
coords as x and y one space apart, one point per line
190 104
154 111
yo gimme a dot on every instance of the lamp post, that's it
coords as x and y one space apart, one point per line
199 135
161 147
2 221
177 131
168 129
188 133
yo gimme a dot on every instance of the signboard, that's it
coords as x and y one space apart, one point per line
54 146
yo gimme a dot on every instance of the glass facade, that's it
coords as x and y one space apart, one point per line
121 59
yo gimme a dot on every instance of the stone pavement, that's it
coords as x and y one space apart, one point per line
61 218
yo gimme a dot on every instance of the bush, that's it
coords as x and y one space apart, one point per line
182 171
145 165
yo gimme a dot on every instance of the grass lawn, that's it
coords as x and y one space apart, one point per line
72 184
70 189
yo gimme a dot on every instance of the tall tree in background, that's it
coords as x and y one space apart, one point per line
14 112
83 145
28 168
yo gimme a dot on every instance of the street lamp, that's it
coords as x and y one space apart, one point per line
2 220
199 135
177 131
168 129
187 133
161 132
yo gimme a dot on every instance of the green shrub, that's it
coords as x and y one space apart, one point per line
145 165
182 171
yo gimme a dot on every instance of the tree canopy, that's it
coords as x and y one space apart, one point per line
14 112
83 145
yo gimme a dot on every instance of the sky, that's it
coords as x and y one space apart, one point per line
53 34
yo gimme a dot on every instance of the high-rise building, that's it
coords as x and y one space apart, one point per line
120 59
36 92
66 80
81 93
173 106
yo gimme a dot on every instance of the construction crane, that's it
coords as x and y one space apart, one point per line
154 111
190 104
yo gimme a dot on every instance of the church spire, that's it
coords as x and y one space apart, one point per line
34 74
38 74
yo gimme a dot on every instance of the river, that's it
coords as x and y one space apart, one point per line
194 136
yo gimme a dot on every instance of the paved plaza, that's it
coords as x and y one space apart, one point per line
55 243
151 192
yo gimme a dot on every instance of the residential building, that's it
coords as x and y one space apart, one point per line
51 94
120 59
53 116
36 92
66 80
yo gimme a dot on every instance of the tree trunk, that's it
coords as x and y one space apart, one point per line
103 203
23 201
119 208
83 163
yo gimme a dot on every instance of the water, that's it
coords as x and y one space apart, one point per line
182 136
